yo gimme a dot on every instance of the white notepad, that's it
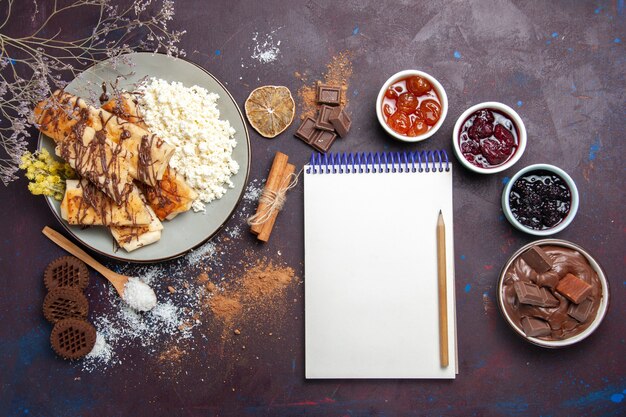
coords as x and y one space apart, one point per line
371 304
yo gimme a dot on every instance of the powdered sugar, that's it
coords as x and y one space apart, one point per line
254 190
195 256
265 49
100 353
121 327
178 319
139 295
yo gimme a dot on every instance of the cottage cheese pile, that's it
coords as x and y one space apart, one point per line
188 119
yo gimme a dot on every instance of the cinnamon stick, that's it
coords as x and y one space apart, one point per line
268 226
273 182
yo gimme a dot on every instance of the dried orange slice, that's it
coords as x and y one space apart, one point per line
270 110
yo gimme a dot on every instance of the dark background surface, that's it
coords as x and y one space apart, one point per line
559 64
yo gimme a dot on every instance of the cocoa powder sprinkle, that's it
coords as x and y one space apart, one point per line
224 307
260 283
338 73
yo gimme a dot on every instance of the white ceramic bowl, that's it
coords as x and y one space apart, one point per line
602 309
506 207
436 86
502 108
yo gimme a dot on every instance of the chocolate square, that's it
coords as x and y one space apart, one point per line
322 121
340 121
306 130
549 300
323 140
328 94
581 311
535 327
573 288
537 259
527 293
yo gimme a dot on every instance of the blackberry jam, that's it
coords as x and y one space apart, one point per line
540 200
488 138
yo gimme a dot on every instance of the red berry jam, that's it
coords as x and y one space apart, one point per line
411 106
488 138
540 200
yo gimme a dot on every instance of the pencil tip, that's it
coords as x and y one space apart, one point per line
439 211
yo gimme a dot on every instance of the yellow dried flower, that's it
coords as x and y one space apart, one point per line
47 175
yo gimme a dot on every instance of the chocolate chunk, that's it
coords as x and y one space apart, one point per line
531 294
328 94
306 130
537 259
549 299
581 311
322 140
535 327
322 121
340 121
573 288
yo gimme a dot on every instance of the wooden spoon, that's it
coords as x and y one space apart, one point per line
118 281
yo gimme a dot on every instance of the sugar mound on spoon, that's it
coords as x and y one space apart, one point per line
139 295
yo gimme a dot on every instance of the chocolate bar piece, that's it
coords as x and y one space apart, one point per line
573 288
549 300
535 327
537 259
306 130
328 94
322 140
322 121
581 311
340 121
531 294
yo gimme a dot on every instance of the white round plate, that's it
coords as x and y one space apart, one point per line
187 230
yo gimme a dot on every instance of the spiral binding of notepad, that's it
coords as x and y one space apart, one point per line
378 162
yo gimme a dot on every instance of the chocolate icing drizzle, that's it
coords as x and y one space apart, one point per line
99 161
61 109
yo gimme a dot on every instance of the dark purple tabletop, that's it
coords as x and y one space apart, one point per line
559 64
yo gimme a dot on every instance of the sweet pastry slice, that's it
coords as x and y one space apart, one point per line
97 159
132 238
83 204
171 195
133 224
149 155
125 106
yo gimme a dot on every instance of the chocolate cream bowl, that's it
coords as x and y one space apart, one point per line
602 309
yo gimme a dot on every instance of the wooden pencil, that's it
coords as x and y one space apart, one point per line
443 293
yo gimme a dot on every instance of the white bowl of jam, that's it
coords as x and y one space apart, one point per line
489 137
540 199
411 105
